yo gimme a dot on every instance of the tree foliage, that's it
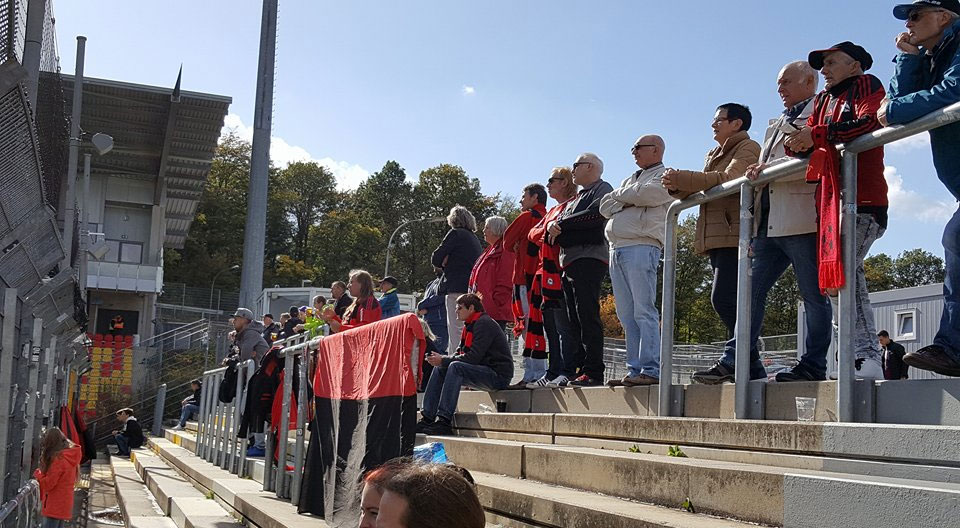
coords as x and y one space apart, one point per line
914 267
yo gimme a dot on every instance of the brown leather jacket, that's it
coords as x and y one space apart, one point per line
719 223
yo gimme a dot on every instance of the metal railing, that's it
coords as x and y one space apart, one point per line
24 506
847 305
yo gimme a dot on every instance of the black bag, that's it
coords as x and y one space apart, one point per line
228 387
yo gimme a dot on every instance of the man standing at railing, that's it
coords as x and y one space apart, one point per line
637 213
784 231
927 78
248 338
845 110
718 225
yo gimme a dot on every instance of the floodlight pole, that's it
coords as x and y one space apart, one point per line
255 234
70 193
32 48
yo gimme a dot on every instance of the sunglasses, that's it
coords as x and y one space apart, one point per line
554 180
640 146
919 13
577 164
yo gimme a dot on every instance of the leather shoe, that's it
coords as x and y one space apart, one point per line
642 379
934 358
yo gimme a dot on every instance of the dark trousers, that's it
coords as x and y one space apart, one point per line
556 324
581 290
724 293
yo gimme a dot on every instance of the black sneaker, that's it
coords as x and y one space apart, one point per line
933 358
423 424
799 373
441 427
586 381
715 375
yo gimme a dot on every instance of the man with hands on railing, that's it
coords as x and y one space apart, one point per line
248 338
845 110
718 225
927 78
784 230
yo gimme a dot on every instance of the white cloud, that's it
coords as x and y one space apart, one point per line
469 90
913 205
349 175
917 141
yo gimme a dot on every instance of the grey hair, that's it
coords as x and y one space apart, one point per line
804 68
460 216
497 224
590 157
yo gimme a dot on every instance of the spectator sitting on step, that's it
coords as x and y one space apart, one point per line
425 495
130 435
57 474
389 301
483 361
189 406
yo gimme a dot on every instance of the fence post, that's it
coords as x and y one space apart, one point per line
284 425
744 297
158 410
8 349
302 411
49 391
668 308
243 377
237 412
847 318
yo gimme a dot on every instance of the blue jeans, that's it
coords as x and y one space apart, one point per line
633 272
949 334
443 389
189 411
50 522
556 324
771 257
123 446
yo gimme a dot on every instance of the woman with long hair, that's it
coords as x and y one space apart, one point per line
365 308
57 474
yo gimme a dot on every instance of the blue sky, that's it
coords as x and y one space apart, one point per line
507 89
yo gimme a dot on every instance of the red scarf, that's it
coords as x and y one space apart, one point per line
466 336
825 168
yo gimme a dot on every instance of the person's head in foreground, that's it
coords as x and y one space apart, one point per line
372 491
429 496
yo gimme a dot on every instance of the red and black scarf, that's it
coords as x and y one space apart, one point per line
466 336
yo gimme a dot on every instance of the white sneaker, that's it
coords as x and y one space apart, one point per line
178 427
871 369
559 381
539 384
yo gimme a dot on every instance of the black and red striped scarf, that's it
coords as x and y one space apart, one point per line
535 342
466 336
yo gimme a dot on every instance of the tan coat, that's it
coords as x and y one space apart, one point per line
719 223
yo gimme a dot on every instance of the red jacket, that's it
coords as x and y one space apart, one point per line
548 267
491 278
56 485
528 254
844 113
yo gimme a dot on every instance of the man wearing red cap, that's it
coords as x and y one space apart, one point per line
845 110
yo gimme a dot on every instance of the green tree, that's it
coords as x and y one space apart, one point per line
879 272
308 191
917 267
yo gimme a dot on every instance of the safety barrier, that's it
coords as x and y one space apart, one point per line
24 506
847 305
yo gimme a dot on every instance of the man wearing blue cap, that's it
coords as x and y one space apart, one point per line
927 78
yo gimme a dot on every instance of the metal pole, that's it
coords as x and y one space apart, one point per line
284 427
48 391
158 410
32 46
744 279
33 378
302 410
244 377
85 224
8 349
237 415
669 305
251 279
69 204
847 317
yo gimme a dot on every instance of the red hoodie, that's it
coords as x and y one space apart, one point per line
56 485
528 253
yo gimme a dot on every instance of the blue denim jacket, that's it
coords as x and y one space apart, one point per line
925 83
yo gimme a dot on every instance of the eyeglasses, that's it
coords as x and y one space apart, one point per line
638 147
917 14
577 164
719 119
554 180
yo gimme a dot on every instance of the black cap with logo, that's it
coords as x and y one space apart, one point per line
855 52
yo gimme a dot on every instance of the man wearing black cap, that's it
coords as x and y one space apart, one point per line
927 78
845 110
389 302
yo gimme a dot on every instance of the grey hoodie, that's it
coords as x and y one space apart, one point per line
251 343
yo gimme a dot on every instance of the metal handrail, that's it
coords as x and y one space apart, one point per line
847 305
27 496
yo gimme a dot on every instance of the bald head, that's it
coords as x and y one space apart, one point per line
796 83
587 169
648 150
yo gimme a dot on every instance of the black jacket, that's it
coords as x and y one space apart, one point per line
581 223
489 348
343 303
289 326
268 332
195 398
893 366
461 248
133 432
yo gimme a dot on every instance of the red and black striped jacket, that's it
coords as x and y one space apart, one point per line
840 115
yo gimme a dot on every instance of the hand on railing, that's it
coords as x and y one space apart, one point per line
753 171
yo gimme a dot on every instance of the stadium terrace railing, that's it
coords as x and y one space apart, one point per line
668 401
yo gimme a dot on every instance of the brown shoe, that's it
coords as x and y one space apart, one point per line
934 358
615 383
642 379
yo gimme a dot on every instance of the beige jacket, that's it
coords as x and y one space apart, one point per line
637 210
793 208
718 225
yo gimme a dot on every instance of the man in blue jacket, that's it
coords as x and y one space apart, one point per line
927 78
389 302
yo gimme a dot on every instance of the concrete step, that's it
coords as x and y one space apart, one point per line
882 402
245 497
515 503
914 444
177 497
750 492
139 508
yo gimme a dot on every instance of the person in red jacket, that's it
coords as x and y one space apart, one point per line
491 277
533 204
59 460
845 110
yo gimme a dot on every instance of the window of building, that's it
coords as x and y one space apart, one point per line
131 252
906 328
